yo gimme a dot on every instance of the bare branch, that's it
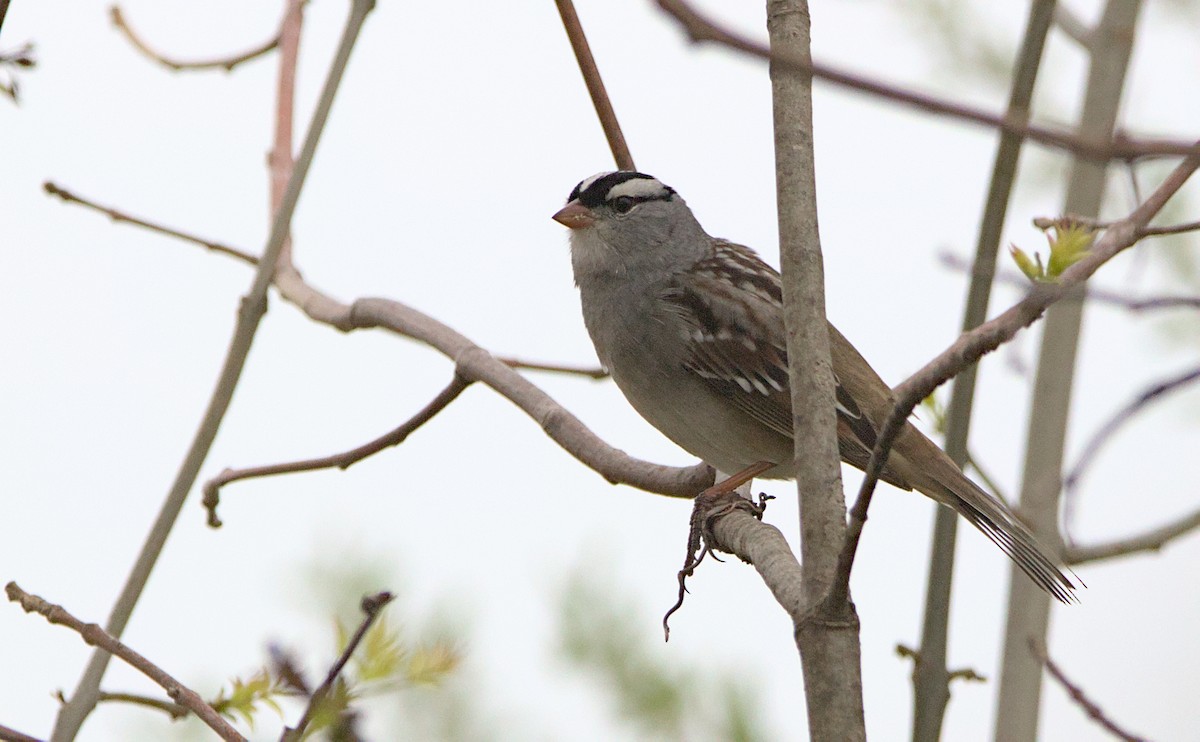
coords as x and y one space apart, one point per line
1094 712
1143 400
1094 293
120 216
595 85
372 606
253 306
225 63
1148 541
592 372
1044 222
342 460
98 637
971 346
701 29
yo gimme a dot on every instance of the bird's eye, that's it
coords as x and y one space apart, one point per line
622 204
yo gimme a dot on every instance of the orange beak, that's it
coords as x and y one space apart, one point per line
575 216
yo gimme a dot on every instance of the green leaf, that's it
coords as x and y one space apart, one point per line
245 696
1070 244
1033 271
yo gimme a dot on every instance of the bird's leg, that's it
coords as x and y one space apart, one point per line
714 502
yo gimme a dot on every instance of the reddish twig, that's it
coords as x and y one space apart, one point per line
372 606
225 63
1045 222
701 29
120 216
98 637
342 460
1094 293
1094 712
595 85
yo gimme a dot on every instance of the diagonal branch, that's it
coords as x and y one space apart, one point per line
700 29
1094 712
8 734
595 85
120 216
1148 397
1148 541
971 346
98 637
372 606
342 460
225 63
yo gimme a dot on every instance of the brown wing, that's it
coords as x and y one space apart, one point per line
731 304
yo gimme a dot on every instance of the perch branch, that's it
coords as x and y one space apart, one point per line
1149 541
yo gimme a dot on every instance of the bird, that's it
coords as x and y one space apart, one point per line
690 327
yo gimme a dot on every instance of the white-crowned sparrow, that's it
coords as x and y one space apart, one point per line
691 328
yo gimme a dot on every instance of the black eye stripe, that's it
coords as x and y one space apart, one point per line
596 192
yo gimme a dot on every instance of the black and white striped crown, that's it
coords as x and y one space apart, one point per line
604 188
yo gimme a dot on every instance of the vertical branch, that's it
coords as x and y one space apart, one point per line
827 635
1029 608
280 160
253 307
931 676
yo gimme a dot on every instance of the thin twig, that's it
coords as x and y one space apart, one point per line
339 460
172 709
1094 293
1149 541
225 63
98 637
1147 397
372 606
595 85
971 346
592 372
120 216
701 29
253 306
1094 712
1045 222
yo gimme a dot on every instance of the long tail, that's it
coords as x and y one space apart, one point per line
999 524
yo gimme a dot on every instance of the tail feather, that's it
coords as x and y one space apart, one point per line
1015 540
